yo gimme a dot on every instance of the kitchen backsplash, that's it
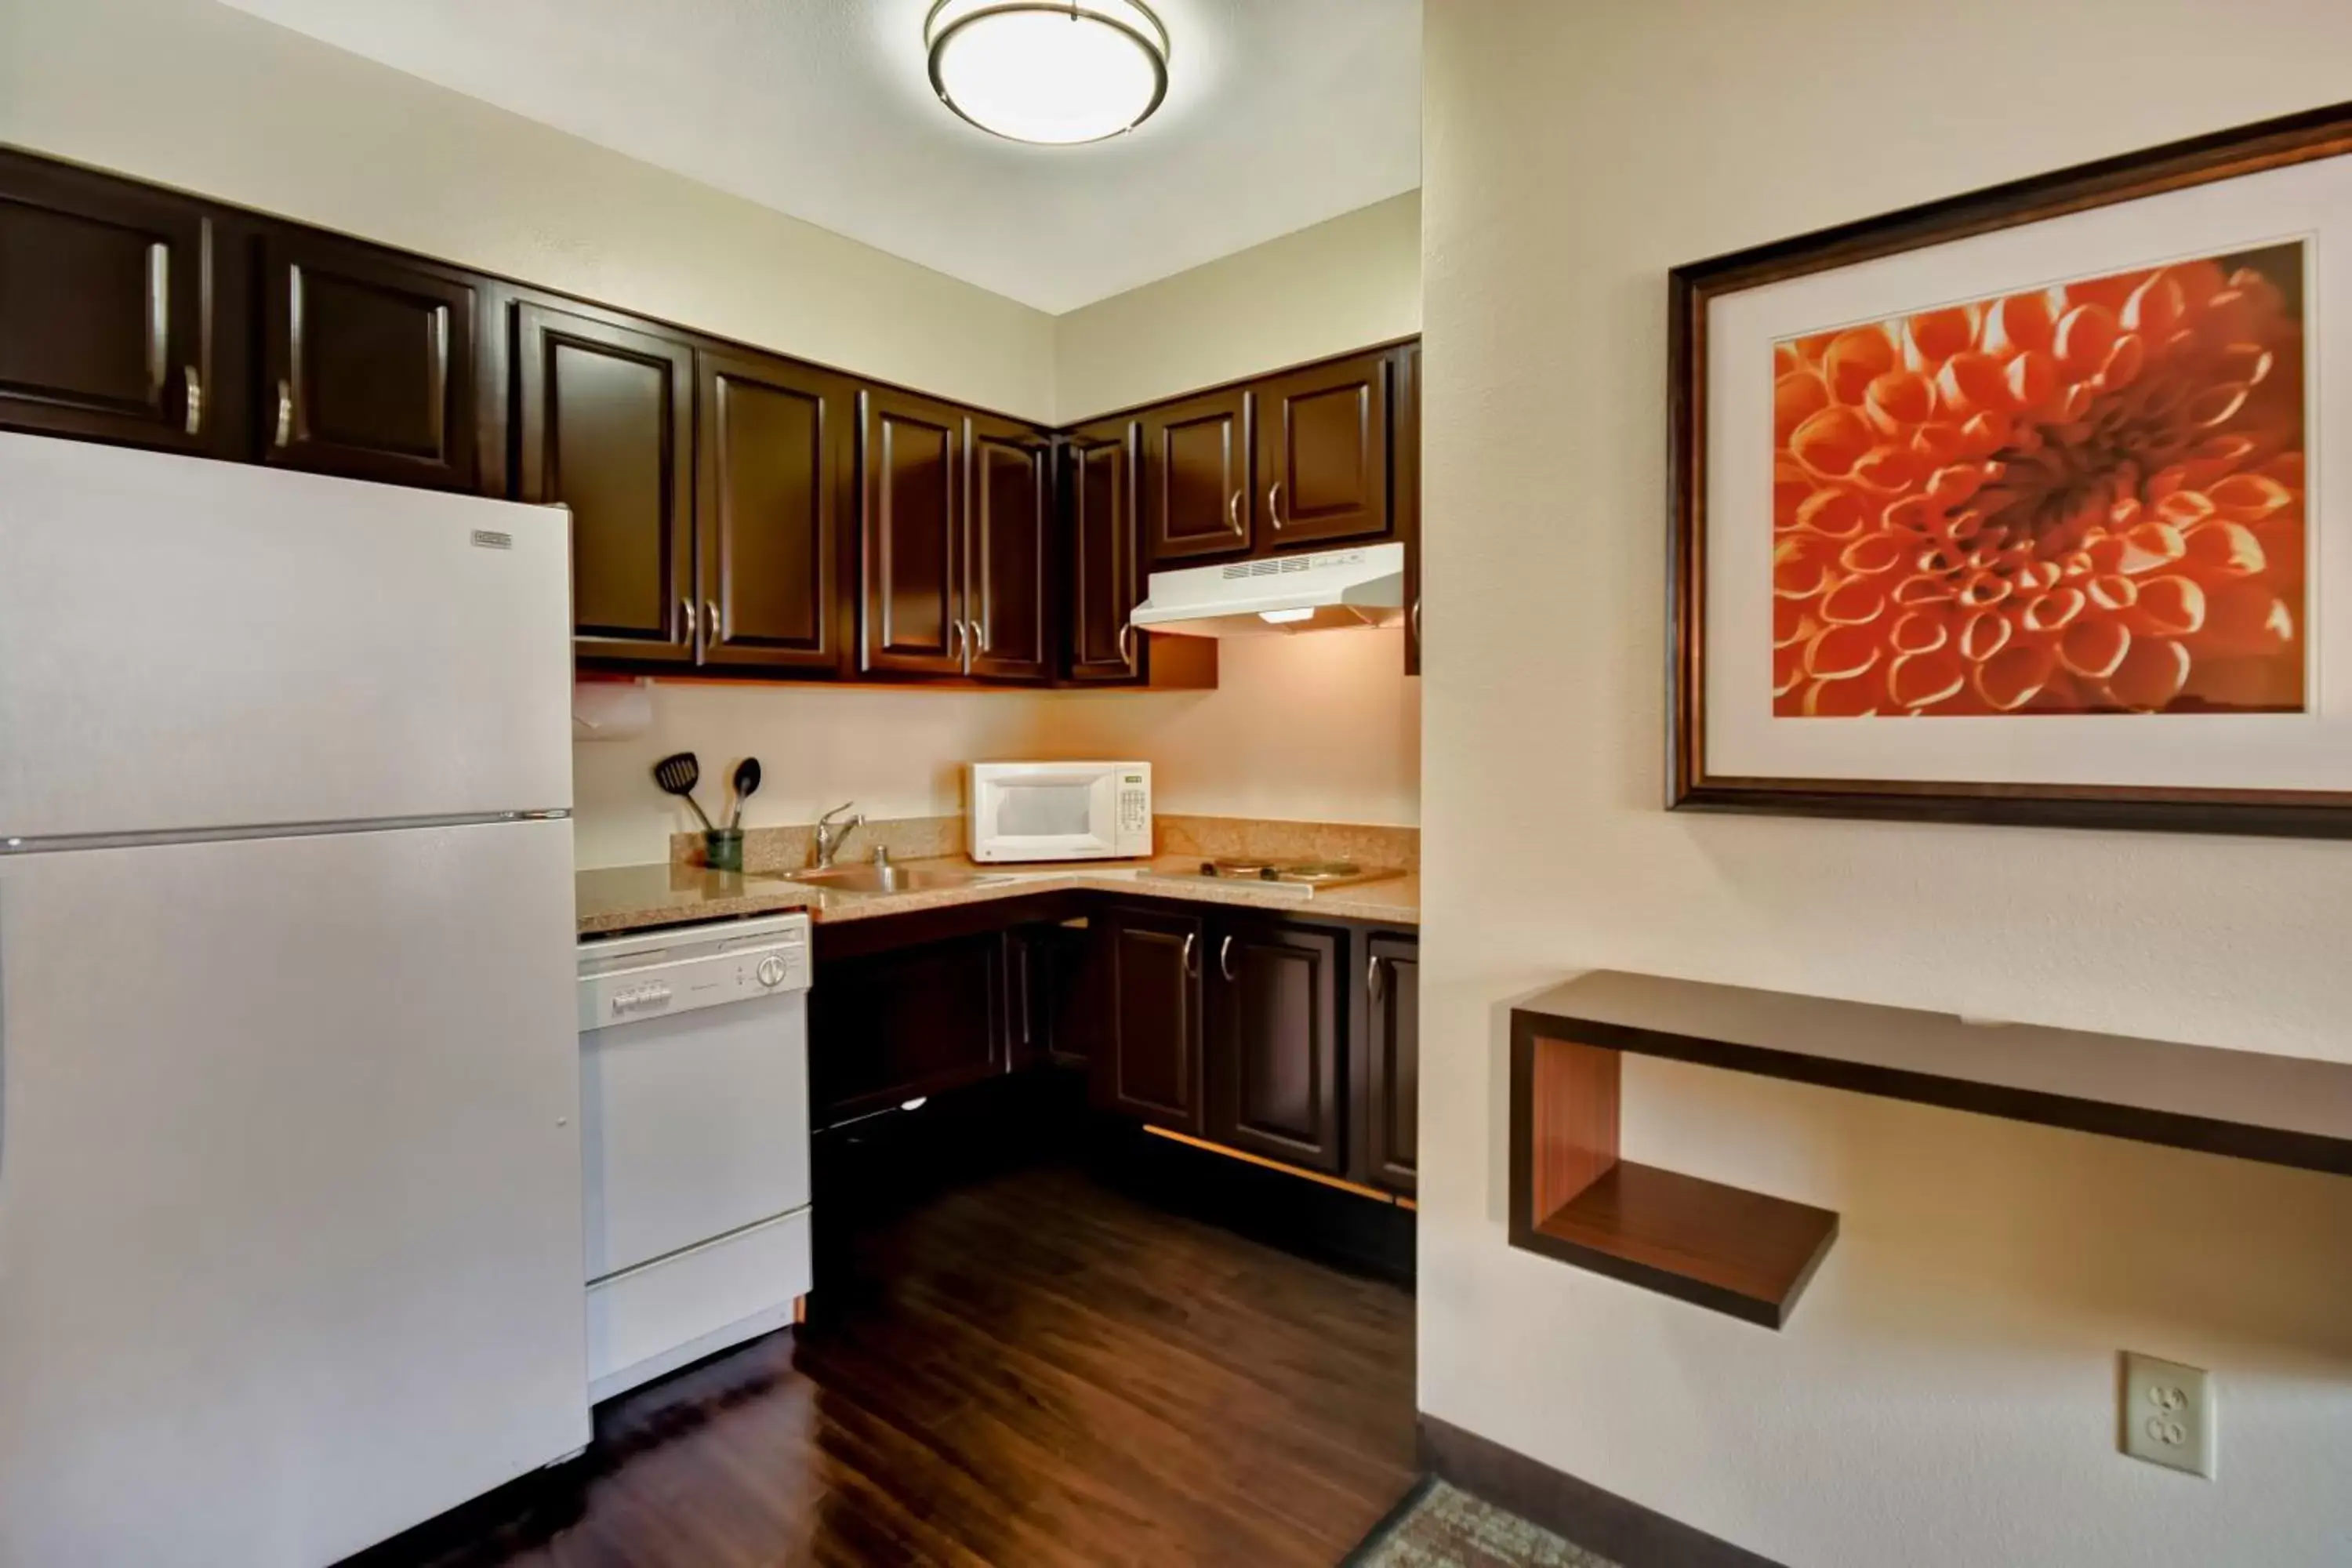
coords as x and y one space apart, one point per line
793 849
1325 727
1210 837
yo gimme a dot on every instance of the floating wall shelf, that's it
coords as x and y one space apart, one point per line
1749 1254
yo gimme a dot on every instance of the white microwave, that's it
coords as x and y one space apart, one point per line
1058 811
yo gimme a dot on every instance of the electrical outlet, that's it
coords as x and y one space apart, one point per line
2169 1413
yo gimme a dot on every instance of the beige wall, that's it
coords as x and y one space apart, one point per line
1323 728
1352 280
1945 1394
196 94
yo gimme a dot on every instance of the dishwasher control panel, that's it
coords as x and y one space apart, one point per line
652 974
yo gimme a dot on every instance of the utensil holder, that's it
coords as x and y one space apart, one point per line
723 849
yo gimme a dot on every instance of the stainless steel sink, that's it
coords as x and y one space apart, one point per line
891 878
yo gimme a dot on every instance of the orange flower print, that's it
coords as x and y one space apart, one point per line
2085 499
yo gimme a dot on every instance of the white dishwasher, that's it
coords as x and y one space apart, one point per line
694 1121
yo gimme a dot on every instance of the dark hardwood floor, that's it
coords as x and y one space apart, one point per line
1031 1369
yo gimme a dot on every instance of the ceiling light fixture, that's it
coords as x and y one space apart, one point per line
1053 71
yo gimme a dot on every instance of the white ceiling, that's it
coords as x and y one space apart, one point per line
1280 113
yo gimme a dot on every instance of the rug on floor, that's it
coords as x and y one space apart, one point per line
1439 1526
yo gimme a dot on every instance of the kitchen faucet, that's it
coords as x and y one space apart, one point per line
829 834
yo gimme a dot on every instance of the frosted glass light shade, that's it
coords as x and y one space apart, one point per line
1053 71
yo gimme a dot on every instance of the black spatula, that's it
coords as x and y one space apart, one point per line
747 783
678 774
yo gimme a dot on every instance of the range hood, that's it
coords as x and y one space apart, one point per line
1363 586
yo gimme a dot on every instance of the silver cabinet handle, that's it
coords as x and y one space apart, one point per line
195 401
285 411
1274 503
979 635
1416 617
711 623
956 649
1234 510
1192 970
688 628
1372 977
1225 957
1126 644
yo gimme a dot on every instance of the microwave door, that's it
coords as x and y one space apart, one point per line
1051 816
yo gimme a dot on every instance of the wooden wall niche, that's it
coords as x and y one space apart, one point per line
1573 1198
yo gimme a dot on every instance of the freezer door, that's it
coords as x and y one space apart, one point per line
290 1191
193 645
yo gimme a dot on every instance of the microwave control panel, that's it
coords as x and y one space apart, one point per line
1134 804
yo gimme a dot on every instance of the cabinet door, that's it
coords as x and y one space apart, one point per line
885 1029
911 460
368 361
1323 453
1390 1068
1274 1063
1050 991
1149 1063
607 417
769 501
106 298
1196 476
1407 494
1106 575
1008 519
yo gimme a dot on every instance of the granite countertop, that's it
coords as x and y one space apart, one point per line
632 898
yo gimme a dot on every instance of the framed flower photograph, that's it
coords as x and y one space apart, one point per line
2012 507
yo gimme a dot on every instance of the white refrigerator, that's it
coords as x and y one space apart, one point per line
290 1166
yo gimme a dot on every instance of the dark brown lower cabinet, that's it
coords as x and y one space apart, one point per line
1387 1066
1052 993
1148 1060
1274 1043
916 1021
1294 1041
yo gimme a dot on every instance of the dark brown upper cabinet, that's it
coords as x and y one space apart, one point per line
1323 453
605 427
1407 464
1388 1066
1273 1055
1196 476
107 294
1008 535
1148 1060
732 510
769 498
1104 560
368 363
911 489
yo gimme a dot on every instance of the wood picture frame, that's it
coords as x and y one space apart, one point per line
2307 795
